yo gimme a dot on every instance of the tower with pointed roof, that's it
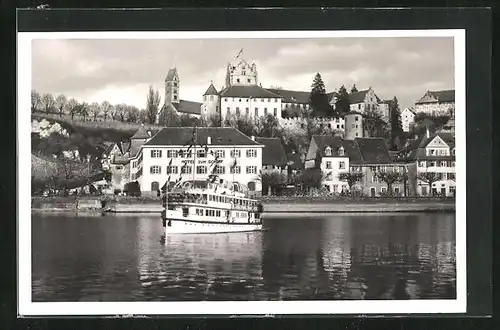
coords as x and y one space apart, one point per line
211 101
172 86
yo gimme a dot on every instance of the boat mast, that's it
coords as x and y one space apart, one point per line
195 139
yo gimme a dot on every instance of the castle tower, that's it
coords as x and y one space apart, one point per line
353 125
241 73
172 85
211 101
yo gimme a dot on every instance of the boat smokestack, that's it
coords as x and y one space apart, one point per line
253 138
209 140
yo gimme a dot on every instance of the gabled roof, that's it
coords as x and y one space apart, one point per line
416 149
290 96
440 96
179 136
189 107
358 97
211 90
171 74
248 91
274 153
410 110
360 150
373 150
295 161
141 133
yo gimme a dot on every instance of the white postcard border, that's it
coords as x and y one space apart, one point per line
28 308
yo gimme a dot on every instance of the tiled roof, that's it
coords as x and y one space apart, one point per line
373 150
274 153
290 96
108 149
445 96
296 162
189 107
359 151
358 97
416 149
254 91
171 74
141 133
440 96
179 136
211 90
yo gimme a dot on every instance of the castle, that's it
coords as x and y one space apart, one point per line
243 95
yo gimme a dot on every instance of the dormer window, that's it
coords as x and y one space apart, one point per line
341 151
328 151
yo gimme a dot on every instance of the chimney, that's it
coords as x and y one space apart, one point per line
149 133
293 152
209 140
427 132
253 138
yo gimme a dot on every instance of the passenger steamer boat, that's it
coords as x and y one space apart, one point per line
212 206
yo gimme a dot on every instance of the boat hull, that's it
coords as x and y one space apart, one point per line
175 226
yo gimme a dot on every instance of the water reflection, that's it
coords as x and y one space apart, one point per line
115 258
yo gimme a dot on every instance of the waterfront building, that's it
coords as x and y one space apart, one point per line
335 155
407 119
437 103
225 152
430 160
274 159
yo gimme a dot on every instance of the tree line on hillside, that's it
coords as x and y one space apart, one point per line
94 111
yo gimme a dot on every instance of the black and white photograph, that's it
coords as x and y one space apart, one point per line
238 172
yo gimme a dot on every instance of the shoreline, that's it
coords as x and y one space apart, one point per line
271 205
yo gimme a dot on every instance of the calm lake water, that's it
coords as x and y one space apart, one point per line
121 258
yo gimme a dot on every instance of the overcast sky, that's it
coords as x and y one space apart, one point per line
120 71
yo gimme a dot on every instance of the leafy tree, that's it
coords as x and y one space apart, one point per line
354 89
106 109
186 120
374 125
94 109
429 178
390 178
152 105
35 100
311 178
396 125
267 126
170 115
318 99
62 104
242 123
272 181
48 102
342 104
351 178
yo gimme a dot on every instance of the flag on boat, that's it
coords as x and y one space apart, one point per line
234 164
165 186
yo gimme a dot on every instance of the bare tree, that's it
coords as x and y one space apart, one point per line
429 178
132 114
35 100
48 102
94 110
73 107
106 108
152 105
351 178
62 104
390 178
120 112
84 110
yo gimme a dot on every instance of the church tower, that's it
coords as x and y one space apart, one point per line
241 73
172 87
211 101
